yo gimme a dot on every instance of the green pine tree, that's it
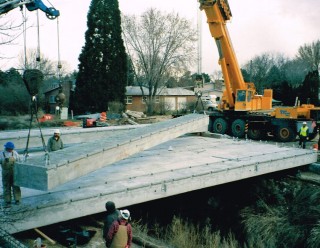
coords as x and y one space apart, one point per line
102 76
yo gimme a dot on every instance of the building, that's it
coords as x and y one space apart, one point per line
52 91
171 99
215 88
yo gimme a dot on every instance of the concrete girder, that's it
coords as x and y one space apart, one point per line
68 164
193 163
71 135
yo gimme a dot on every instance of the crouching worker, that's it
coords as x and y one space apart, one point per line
7 159
120 232
55 142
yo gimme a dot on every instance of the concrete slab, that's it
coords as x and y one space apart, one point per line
68 164
69 135
193 163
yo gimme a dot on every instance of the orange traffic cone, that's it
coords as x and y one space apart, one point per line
103 116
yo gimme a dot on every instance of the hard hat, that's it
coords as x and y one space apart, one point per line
56 131
125 214
304 123
9 145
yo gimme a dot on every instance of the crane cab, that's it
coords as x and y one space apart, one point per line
247 100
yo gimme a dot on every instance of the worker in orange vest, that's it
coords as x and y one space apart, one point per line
120 232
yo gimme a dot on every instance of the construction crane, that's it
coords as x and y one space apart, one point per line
242 111
31 5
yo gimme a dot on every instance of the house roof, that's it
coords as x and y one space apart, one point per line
51 88
136 91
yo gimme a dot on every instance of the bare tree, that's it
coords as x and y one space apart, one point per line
295 71
310 55
160 45
9 31
33 60
258 69
217 75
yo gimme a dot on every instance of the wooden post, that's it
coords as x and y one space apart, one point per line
45 236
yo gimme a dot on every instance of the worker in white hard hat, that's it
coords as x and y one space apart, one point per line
303 135
55 142
120 232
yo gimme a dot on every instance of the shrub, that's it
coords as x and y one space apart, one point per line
116 107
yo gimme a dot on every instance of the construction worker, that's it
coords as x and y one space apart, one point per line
303 135
55 142
7 159
120 232
112 215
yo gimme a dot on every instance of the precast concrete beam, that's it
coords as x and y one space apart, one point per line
69 135
56 168
193 163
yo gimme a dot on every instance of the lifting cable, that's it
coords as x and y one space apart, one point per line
32 76
38 36
59 60
59 66
34 110
24 19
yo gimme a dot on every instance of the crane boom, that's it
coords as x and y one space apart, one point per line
8 5
238 95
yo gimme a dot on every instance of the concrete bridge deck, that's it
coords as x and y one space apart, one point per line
68 164
70 135
195 162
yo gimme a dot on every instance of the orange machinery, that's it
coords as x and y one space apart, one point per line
241 110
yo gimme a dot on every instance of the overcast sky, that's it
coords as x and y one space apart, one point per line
277 26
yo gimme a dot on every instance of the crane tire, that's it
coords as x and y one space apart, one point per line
210 126
256 134
285 134
220 126
313 134
238 128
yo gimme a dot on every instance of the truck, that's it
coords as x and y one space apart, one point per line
241 111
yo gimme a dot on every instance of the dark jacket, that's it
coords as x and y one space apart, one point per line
54 144
112 215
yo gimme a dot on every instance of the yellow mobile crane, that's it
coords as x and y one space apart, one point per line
241 109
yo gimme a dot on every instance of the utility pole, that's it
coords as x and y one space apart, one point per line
199 77
199 33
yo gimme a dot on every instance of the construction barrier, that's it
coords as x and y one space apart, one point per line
103 116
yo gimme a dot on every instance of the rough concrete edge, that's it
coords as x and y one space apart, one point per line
314 167
10 240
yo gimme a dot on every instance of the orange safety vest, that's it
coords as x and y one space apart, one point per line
120 239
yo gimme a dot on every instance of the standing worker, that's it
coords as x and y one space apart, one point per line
112 215
7 159
303 135
55 142
120 232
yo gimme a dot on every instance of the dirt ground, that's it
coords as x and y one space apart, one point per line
95 242
28 238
